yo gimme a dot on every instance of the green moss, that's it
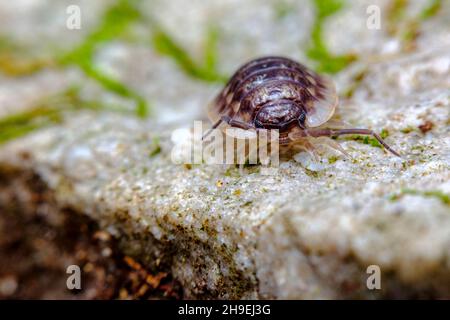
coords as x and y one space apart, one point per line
156 147
232 172
17 60
318 51
333 159
357 79
443 197
408 129
211 53
412 29
115 21
247 204
47 112
23 127
431 10
408 29
167 46
384 133
7 134
395 14
7 43
311 173
42 115
369 140
14 65
142 109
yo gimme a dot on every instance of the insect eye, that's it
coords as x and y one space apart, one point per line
301 120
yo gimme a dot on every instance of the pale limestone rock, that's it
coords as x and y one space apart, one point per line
309 231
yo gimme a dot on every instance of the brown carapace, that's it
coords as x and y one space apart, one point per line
279 93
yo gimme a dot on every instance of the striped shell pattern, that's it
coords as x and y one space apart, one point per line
272 79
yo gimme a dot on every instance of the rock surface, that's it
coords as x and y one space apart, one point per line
309 231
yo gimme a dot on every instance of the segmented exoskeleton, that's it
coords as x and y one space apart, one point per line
279 93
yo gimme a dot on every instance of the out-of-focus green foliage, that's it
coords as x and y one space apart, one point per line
318 51
114 22
395 14
282 9
166 45
47 112
119 88
15 61
431 10
326 8
413 25
211 54
408 28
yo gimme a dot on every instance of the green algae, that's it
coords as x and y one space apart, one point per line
443 197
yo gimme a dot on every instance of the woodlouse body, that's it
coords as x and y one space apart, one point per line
279 93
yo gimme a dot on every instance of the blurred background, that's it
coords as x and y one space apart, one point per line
162 61
166 59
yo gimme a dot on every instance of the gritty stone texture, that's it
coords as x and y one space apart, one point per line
309 231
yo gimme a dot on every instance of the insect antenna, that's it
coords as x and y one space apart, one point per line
232 122
215 125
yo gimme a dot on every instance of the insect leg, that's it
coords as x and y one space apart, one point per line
310 149
236 123
338 132
330 143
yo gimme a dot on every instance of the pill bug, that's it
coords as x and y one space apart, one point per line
279 93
